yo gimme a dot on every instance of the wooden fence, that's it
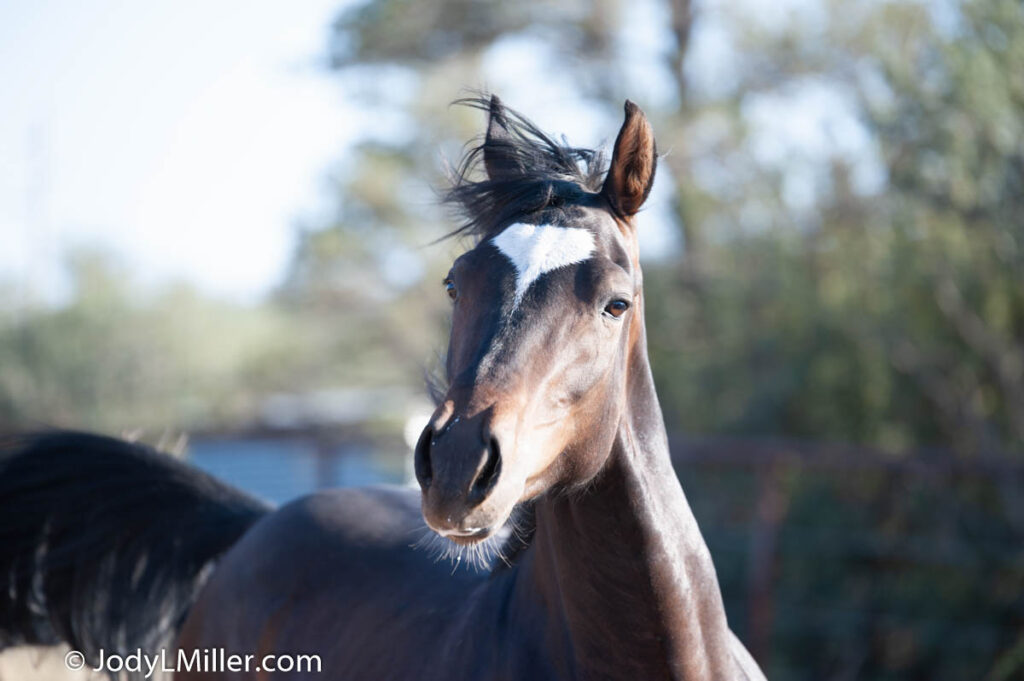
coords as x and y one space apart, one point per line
839 561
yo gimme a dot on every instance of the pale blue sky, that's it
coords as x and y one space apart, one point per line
191 137
187 136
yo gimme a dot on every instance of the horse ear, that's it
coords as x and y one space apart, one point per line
634 159
500 157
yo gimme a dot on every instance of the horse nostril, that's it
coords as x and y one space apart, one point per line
421 459
488 475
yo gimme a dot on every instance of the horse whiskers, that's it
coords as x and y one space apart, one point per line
481 556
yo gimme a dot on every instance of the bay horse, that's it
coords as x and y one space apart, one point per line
546 461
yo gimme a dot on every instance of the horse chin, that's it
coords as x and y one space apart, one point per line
482 548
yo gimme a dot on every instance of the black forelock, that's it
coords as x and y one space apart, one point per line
549 176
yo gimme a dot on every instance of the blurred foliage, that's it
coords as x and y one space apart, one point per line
110 361
882 574
847 183
120 360
885 311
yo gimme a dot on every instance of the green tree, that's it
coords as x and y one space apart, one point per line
111 359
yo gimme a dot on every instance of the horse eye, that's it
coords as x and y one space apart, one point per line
616 308
449 286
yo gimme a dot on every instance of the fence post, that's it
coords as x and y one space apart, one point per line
771 507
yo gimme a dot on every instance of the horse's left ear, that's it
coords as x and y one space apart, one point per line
500 157
634 159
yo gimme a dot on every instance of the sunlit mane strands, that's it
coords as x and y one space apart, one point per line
536 173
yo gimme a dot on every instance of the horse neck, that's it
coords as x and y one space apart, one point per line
623 567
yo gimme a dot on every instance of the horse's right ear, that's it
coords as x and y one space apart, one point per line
500 158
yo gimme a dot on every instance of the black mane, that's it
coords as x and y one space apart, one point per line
547 175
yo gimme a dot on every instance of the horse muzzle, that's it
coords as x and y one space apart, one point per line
461 470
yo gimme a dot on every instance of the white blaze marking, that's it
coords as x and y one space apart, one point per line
536 249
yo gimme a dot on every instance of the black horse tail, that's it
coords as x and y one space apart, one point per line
105 543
